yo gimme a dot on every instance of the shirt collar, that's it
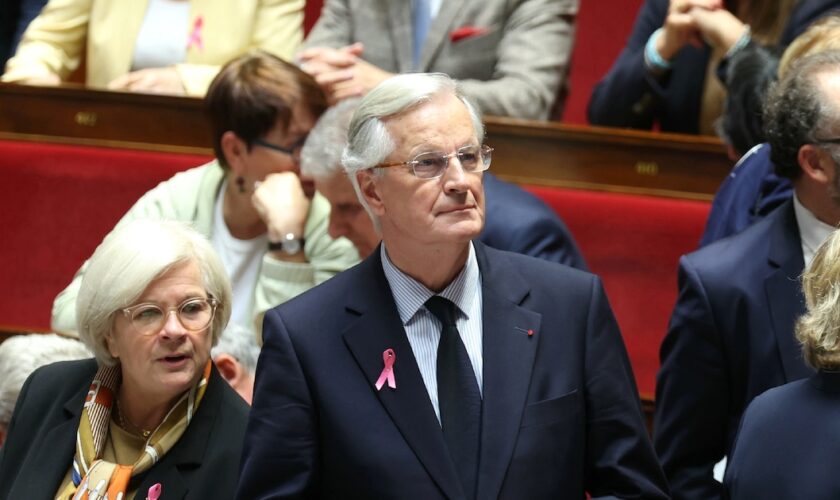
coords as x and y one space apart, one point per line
812 231
410 295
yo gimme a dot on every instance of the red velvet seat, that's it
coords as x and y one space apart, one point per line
57 202
634 244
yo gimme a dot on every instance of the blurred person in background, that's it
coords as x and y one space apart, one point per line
670 74
753 189
269 229
510 57
20 355
235 357
152 46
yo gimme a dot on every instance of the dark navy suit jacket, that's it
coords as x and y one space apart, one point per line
788 443
751 191
730 339
629 96
560 409
518 221
41 442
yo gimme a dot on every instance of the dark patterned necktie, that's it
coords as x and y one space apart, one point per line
459 399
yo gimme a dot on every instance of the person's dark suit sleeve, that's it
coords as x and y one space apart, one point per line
621 462
17 440
692 393
628 96
280 454
549 239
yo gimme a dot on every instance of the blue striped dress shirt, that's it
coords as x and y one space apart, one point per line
423 329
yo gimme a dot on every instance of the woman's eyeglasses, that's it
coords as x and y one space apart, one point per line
194 315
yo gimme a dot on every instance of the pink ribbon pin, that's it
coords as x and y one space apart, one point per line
154 492
195 35
388 357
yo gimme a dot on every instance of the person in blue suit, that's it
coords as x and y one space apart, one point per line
440 367
517 221
666 85
731 332
789 434
750 192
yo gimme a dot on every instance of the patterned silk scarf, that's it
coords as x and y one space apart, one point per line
95 478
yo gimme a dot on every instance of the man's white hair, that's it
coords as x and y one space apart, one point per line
369 142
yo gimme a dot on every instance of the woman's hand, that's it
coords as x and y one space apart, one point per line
282 204
719 28
680 26
150 80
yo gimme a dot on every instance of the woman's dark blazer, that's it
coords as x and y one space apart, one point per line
40 443
628 96
788 443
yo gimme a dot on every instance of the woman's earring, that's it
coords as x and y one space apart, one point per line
240 183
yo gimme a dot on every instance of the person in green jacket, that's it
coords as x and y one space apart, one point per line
268 227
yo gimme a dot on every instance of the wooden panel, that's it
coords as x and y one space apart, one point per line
599 158
541 153
98 117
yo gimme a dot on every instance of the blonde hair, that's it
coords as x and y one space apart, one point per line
818 330
128 261
820 36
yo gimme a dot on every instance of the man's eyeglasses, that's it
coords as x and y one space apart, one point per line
833 140
433 165
294 151
194 315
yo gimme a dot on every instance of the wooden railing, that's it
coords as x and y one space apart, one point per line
527 152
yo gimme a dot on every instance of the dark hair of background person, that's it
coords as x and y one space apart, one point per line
796 111
750 73
252 93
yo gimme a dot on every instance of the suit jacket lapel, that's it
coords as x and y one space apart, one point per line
401 26
56 459
785 258
509 352
439 30
374 326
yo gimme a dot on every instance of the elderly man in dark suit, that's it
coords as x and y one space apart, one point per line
731 332
516 220
439 367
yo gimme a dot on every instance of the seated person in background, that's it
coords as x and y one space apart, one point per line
271 236
440 367
150 412
731 333
666 74
789 435
517 221
753 189
157 46
20 355
235 357
749 74
15 16
511 57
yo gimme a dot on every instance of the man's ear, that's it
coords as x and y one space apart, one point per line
229 368
368 186
815 163
235 150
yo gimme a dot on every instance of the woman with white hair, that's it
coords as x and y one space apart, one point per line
150 416
789 436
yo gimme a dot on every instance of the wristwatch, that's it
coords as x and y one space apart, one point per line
290 244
